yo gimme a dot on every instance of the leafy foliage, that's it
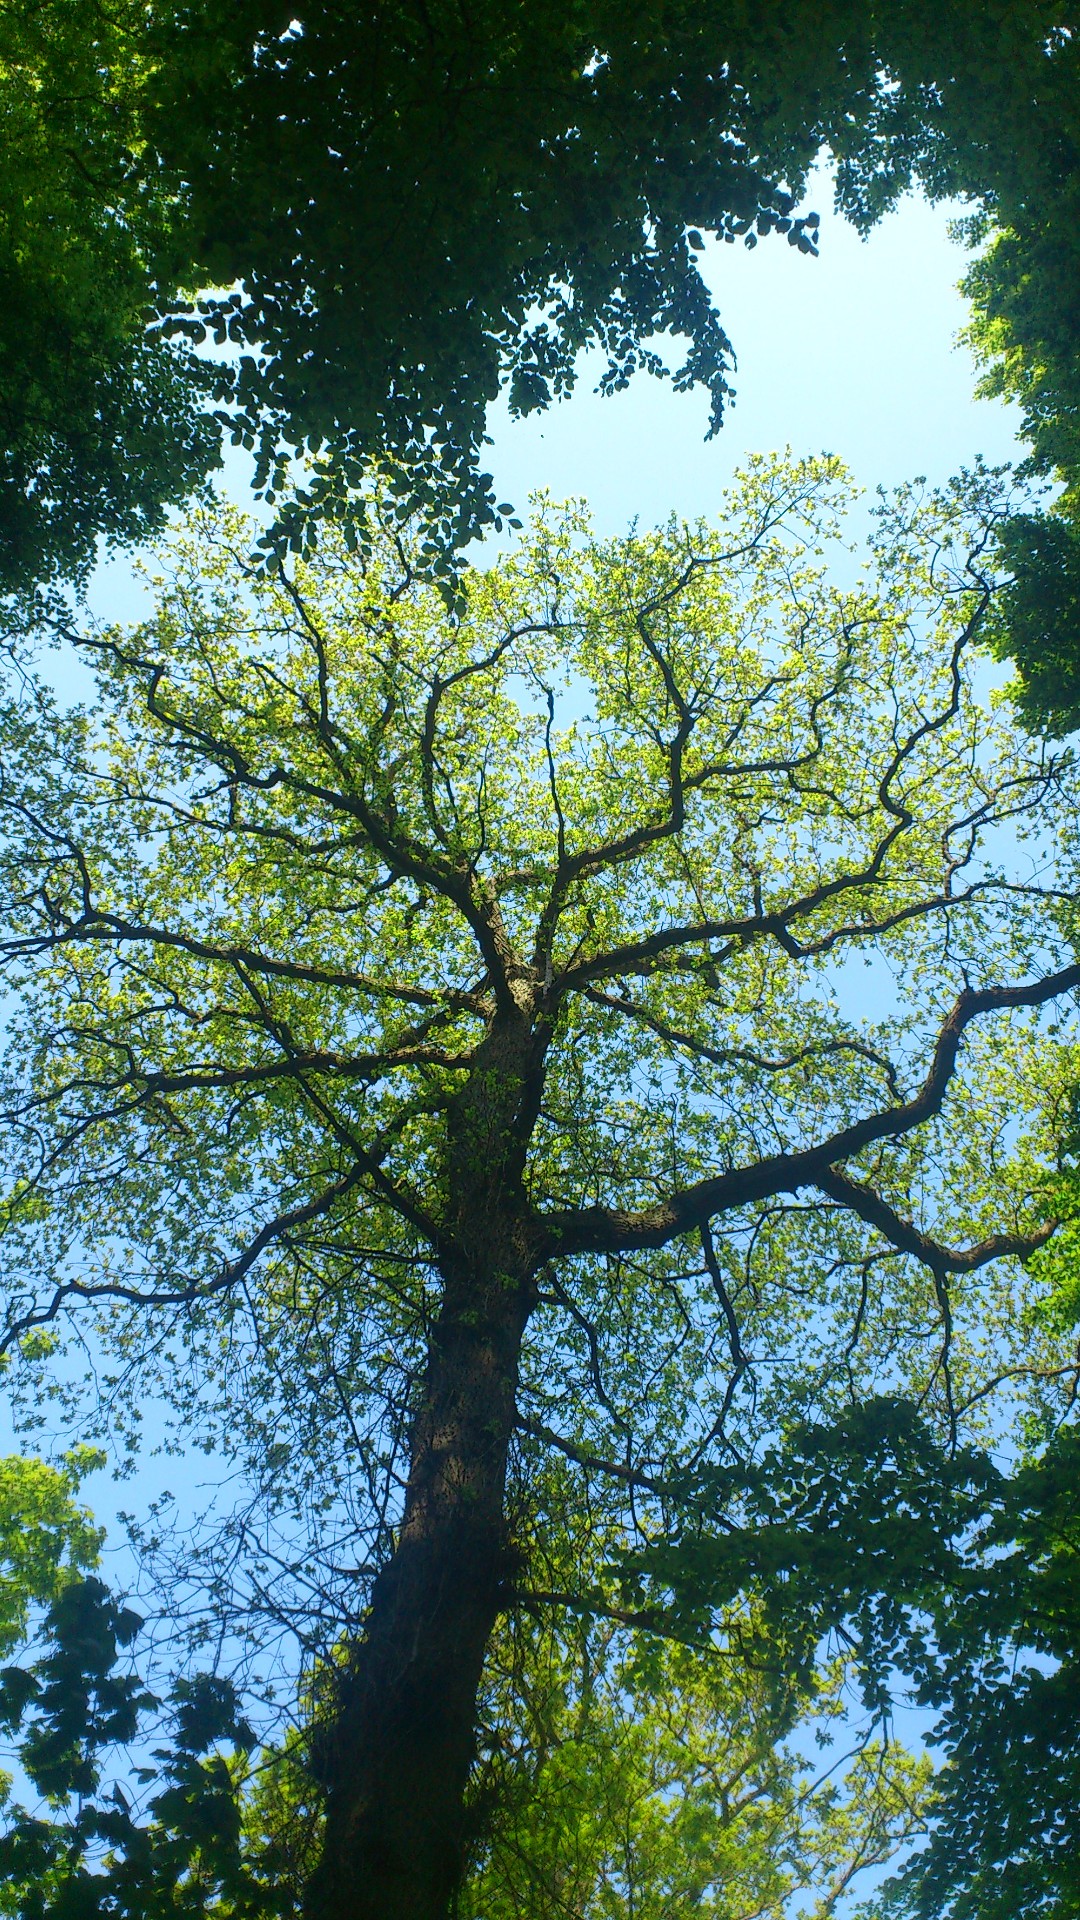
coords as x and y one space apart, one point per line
1040 617
1004 1842
382 214
1025 292
45 1538
632 1776
100 423
863 1524
91 1855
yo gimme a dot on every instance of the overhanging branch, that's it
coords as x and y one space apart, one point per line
907 1238
229 1276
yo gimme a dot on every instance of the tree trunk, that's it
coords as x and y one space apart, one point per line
396 1761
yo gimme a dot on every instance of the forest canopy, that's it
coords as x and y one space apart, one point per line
515 1081
381 216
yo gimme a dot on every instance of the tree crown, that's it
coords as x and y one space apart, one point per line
352 925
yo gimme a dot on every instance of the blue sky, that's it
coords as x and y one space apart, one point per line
852 353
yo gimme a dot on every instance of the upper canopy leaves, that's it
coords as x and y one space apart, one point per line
385 213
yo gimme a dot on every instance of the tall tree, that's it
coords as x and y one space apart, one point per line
385 213
444 1047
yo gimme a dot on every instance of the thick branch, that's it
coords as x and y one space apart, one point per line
907 1238
335 1066
114 929
613 1230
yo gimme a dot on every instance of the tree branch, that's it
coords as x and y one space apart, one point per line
231 1274
114 929
613 1230
907 1238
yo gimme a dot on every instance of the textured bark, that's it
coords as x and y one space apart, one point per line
396 1761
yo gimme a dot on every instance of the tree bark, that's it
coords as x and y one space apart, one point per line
395 1759
395 1762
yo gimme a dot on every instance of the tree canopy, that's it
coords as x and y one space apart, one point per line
495 1070
100 423
383 214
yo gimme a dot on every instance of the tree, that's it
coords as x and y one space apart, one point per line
383 214
634 1776
101 419
444 1049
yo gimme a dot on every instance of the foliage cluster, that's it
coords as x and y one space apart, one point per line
383 214
100 418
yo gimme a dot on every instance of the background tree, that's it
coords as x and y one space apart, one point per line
630 1775
1025 292
46 1539
1004 1841
101 421
85 1850
389 212
444 1048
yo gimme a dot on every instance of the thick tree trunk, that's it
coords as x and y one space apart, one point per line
397 1760
395 1763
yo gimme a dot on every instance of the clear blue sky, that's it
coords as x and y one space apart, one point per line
853 353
